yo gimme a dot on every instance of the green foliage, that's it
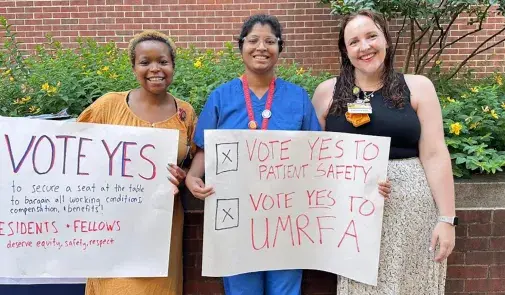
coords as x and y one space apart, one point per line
474 120
198 72
55 78
427 25
473 110
414 8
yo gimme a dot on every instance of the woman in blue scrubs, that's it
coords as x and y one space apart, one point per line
257 100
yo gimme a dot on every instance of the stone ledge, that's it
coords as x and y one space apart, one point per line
481 192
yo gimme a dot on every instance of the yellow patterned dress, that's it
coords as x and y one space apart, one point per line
112 108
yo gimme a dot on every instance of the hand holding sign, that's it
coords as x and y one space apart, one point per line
198 188
177 176
385 188
294 200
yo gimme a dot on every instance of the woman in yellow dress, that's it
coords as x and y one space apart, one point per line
152 55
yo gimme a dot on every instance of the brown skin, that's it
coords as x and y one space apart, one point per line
259 60
259 64
151 102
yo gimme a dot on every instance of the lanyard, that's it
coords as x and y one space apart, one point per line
266 114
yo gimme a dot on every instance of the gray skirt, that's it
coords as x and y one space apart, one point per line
406 267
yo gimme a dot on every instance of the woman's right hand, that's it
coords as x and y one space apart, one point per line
197 187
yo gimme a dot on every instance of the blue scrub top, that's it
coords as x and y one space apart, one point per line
226 109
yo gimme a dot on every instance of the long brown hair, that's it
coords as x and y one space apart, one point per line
392 87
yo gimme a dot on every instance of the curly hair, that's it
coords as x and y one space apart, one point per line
392 88
151 35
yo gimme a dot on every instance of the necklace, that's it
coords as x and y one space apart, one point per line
267 113
368 96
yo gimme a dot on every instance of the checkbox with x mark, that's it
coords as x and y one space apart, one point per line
226 157
227 213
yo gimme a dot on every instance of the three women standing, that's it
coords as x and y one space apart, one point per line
404 107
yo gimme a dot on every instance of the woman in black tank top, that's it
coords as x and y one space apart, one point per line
420 215
401 124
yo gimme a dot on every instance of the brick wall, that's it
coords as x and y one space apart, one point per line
311 33
477 265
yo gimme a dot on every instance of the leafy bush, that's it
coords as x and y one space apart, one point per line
55 78
427 25
474 121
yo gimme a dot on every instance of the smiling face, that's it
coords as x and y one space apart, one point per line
365 45
153 66
260 51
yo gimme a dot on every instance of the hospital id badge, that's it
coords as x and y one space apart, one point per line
359 108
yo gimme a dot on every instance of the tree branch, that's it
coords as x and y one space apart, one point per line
436 21
418 49
439 52
411 47
449 25
399 34
419 27
478 51
431 35
442 3
464 36
444 34
423 32
490 46
419 68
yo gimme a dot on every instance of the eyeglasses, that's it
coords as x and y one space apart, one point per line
255 41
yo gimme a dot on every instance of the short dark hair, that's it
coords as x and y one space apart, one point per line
151 35
263 19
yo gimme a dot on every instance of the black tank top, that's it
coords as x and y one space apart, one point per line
402 125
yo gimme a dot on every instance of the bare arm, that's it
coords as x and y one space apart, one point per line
194 180
197 168
434 157
322 99
433 152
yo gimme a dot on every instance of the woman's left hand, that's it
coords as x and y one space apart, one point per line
445 234
177 176
385 188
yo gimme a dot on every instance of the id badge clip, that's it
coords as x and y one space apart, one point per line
359 107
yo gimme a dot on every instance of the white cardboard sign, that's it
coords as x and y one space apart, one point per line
84 200
293 200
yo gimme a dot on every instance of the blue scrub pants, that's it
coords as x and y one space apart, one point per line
277 282
64 289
